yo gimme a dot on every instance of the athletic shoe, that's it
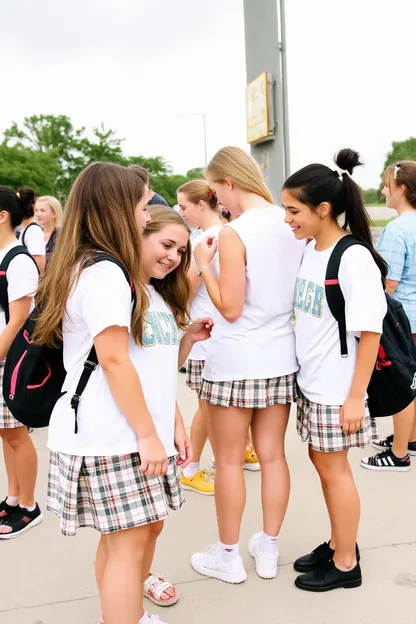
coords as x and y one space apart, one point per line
322 554
266 563
202 482
6 511
328 577
148 618
386 460
386 443
210 563
251 461
20 521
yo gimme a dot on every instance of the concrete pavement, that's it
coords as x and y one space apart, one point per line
56 574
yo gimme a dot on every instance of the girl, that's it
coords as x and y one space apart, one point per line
397 245
250 363
49 215
31 235
332 408
118 474
19 511
198 207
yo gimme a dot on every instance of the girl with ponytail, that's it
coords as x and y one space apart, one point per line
332 413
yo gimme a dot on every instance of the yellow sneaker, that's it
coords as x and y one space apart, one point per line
251 461
202 483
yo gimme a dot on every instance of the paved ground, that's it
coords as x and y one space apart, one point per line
56 581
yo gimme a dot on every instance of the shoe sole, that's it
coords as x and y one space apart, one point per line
385 448
252 467
346 585
262 572
220 576
191 489
9 536
161 603
383 468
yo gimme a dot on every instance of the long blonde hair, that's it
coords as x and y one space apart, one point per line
233 163
55 206
100 215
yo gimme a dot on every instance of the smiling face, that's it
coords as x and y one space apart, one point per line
305 222
163 251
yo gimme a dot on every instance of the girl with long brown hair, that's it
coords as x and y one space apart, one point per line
118 474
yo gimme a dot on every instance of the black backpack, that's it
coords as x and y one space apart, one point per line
23 236
392 385
34 375
4 297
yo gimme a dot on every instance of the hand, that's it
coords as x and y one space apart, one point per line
352 416
205 251
200 329
183 446
154 461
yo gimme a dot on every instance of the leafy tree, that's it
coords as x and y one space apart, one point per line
371 196
196 174
401 150
21 166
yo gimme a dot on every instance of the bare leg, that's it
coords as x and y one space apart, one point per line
101 562
199 433
269 429
10 463
413 434
326 496
343 503
156 529
403 423
228 428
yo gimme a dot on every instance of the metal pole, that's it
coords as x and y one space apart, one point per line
285 100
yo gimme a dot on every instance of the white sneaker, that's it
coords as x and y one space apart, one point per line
210 563
266 563
148 619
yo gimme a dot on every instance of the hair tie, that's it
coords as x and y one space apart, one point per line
211 194
397 166
340 172
18 195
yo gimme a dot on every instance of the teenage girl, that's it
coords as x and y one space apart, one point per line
49 215
332 408
397 245
250 365
19 511
119 473
198 208
31 235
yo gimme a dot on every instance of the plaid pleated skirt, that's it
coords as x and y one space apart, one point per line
320 426
249 393
109 493
194 372
7 420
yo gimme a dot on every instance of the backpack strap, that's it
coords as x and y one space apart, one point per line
91 362
333 292
23 236
4 296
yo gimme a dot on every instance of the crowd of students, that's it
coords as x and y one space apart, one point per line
225 305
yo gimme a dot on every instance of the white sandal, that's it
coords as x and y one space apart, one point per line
154 586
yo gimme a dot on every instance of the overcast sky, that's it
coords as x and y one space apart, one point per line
140 65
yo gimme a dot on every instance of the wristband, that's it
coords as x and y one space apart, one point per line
200 271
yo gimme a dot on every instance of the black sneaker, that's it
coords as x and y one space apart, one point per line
6 511
20 521
386 443
328 577
386 460
317 557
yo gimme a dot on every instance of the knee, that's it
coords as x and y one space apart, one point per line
14 437
156 529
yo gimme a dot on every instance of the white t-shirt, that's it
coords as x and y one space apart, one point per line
202 304
324 376
261 343
22 278
100 299
33 239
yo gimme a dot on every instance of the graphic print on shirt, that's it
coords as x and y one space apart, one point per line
309 297
160 329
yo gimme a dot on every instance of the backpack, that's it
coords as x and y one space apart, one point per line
23 236
34 374
392 385
4 265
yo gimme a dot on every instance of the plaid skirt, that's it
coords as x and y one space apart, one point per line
249 393
194 374
7 420
320 426
109 493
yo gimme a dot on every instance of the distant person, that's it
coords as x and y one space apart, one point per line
31 234
154 198
49 215
397 245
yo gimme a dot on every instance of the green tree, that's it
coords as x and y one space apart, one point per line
21 166
371 196
196 174
401 150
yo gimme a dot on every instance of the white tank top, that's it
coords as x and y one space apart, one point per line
261 343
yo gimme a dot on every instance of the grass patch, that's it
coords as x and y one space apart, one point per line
380 222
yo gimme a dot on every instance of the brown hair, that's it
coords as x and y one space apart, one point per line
236 165
175 287
142 172
100 215
198 190
403 173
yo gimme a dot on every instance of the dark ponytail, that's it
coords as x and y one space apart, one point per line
314 184
27 199
10 202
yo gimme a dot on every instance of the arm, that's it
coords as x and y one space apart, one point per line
391 286
182 441
19 310
228 293
194 279
198 331
41 262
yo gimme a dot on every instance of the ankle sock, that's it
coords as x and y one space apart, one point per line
229 552
191 470
267 544
13 501
32 508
